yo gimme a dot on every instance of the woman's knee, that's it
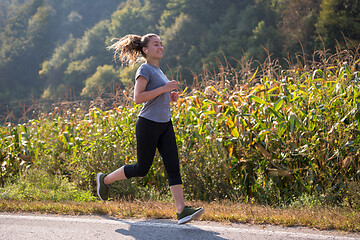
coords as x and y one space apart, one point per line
174 178
141 169
142 172
135 170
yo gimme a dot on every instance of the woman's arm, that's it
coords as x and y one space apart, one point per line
141 96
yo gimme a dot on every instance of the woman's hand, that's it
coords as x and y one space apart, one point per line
174 96
141 95
170 86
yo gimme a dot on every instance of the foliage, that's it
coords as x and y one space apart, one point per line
263 135
30 32
42 186
341 16
48 49
103 76
297 25
75 61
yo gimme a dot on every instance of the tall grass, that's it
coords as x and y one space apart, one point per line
264 135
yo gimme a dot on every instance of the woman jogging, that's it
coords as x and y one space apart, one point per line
154 129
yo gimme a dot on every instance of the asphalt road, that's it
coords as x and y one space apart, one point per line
53 227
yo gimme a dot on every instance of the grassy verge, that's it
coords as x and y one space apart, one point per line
44 193
323 218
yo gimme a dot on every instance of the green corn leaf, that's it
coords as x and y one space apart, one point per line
278 104
277 114
253 76
258 100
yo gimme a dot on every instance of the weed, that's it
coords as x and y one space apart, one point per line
39 185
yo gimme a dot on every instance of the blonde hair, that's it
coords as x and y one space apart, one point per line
128 48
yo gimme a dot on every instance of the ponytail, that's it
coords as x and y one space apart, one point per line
128 48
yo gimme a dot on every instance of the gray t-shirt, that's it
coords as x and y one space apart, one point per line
158 108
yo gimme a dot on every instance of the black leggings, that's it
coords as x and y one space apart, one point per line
149 136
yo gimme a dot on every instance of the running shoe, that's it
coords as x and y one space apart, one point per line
189 214
102 188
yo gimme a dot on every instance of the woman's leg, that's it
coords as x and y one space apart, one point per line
147 135
169 153
116 175
177 192
168 150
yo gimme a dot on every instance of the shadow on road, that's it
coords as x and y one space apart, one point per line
164 229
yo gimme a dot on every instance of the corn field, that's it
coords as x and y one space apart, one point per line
263 135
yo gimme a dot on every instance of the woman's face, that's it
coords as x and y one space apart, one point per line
154 49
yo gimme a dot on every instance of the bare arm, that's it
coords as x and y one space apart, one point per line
141 96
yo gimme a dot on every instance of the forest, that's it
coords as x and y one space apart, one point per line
56 49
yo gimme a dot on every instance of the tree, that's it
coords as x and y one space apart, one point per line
52 70
77 72
242 33
77 59
23 36
104 77
178 42
339 22
184 26
129 20
297 25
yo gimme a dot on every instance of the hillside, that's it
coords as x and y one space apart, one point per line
54 49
